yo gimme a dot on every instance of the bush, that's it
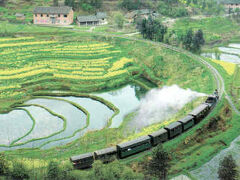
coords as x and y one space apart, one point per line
3 165
228 169
19 171
53 170
57 172
159 164
113 171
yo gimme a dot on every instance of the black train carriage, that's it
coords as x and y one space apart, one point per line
174 129
82 161
106 155
200 112
159 136
132 147
187 122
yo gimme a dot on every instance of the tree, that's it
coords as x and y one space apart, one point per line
228 169
70 3
187 39
119 20
55 2
198 41
152 29
160 162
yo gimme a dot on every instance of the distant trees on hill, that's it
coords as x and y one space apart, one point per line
175 8
154 30
87 5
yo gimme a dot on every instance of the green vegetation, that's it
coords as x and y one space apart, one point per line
151 65
159 164
228 169
176 8
224 30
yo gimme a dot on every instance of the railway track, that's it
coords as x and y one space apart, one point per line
217 76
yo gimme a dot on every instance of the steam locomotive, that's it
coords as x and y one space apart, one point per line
143 143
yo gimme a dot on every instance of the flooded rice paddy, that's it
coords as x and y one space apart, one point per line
45 122
55 121
231 54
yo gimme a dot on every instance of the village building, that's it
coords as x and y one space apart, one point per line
99 18
20 16
62 15
232 4
140 14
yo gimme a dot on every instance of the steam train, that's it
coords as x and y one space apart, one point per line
143 143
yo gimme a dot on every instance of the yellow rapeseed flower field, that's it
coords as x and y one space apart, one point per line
26 43
229 67
15 39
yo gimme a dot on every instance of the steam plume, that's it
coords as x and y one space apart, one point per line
160 104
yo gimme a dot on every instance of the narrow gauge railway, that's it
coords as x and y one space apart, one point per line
144 143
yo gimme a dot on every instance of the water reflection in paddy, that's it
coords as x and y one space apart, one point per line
230 50
45 124
99 113
228 54
224 57
125 99
14 125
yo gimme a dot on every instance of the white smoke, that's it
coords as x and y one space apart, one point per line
160 104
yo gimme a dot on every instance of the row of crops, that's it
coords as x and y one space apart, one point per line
26 60
29 66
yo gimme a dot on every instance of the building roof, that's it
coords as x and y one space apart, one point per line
106 151
231 2
135 141
52 10
199 109
90 18
80 157
19 15
101 15
173 125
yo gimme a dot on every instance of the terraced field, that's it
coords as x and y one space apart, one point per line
30 67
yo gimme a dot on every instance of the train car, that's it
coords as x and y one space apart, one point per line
106 155
159 136
187 122
200 112
174 129
132 147
82 161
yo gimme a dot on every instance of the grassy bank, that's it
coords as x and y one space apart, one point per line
217 30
